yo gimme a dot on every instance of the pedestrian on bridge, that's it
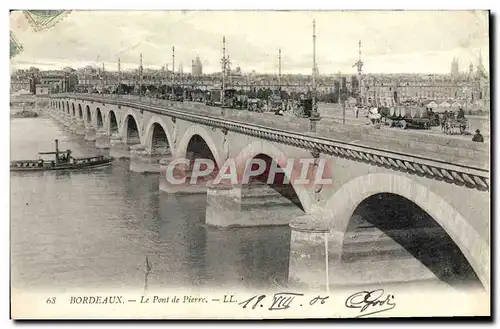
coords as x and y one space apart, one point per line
478 137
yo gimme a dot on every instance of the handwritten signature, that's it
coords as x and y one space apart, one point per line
370 300
280 301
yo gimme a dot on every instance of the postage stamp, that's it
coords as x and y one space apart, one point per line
15 46
44 19
251 165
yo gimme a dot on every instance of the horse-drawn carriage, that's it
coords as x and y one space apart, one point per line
304 108
453 124
255 105
240 101
275 102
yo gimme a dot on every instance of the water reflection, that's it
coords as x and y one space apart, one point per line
94 229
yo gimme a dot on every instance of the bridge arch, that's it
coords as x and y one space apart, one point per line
153 128
112 123
340 207
88 114
197 130
98 118
80 112
131 132
262 147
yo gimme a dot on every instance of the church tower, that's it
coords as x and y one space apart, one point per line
454 68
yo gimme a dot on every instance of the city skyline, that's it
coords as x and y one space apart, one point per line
393 42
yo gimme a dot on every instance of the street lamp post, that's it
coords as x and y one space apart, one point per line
314 111
343 112
224 67
119 77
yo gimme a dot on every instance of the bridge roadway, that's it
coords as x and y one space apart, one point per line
446 178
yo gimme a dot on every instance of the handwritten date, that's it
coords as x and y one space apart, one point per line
279 301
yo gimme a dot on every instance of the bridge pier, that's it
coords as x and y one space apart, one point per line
90 133
142 161
249 205
66 120
315 253
59 116
118 149
63 119
181 189
79 127
73 127
102 140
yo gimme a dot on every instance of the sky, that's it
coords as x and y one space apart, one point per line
392 41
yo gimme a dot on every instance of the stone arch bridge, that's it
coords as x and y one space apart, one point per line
447 179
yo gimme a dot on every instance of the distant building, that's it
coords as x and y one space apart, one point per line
42 89
20 83
455 72
58 80
196 67
480 71
68 69
470 75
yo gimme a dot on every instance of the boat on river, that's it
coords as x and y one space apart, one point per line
62 161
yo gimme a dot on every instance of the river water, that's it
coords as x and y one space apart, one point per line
94 229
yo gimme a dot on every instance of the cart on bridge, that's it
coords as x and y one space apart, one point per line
407 117
454 126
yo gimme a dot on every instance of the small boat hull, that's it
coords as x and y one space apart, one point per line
84 163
